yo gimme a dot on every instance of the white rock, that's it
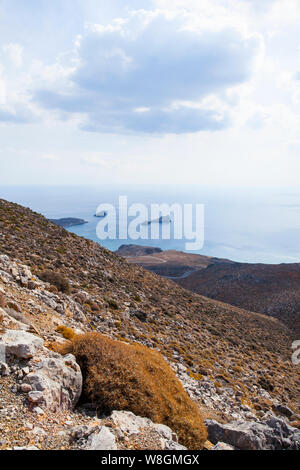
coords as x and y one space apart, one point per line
222 446
56 382
4 369
128 424
21 344
104 440
27 448
38 411
35 397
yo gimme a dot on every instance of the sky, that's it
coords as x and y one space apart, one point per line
203 92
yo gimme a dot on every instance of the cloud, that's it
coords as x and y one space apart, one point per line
154 62
14 108
49 157
15 53
260 5
98 159
257 120
16 115
178 121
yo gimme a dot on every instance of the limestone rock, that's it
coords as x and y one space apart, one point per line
102 440
271 434
129 424
4 369
56 383
222 446
21 344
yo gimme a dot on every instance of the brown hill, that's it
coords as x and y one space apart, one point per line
171 263
269 289
137 250
230 346
273 290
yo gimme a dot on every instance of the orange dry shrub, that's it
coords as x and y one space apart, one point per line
194 375
132 377
67 333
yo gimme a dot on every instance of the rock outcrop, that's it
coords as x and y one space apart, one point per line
56 382
52 381
271 433
128 430
21 344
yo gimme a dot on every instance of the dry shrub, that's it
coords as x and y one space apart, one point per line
13 306
119 376
2 300
56 279
67 333
112 304
52 289
80 298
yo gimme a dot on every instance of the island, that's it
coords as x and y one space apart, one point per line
101 214
163 219
68 222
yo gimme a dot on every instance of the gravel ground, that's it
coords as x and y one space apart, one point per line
21 427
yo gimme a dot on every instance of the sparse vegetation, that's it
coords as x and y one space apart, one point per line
56 279
13 306
112 304
265 383
208 337
119 376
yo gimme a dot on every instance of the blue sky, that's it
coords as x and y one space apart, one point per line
182 91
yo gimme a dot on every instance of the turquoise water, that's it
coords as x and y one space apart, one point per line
260 226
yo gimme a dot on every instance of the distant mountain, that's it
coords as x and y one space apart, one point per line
137 250
68 222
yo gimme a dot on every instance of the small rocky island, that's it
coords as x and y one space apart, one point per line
68 222
163 219
101 214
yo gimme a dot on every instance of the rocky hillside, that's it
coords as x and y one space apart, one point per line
236 365
263 288
269 289
170 263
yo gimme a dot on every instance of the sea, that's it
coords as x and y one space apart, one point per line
244 225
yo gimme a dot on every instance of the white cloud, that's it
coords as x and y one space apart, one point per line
98 159
132 64
50 157
15 53
224 65
2 90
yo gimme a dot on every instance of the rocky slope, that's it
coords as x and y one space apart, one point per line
269 289
170 263
235 364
